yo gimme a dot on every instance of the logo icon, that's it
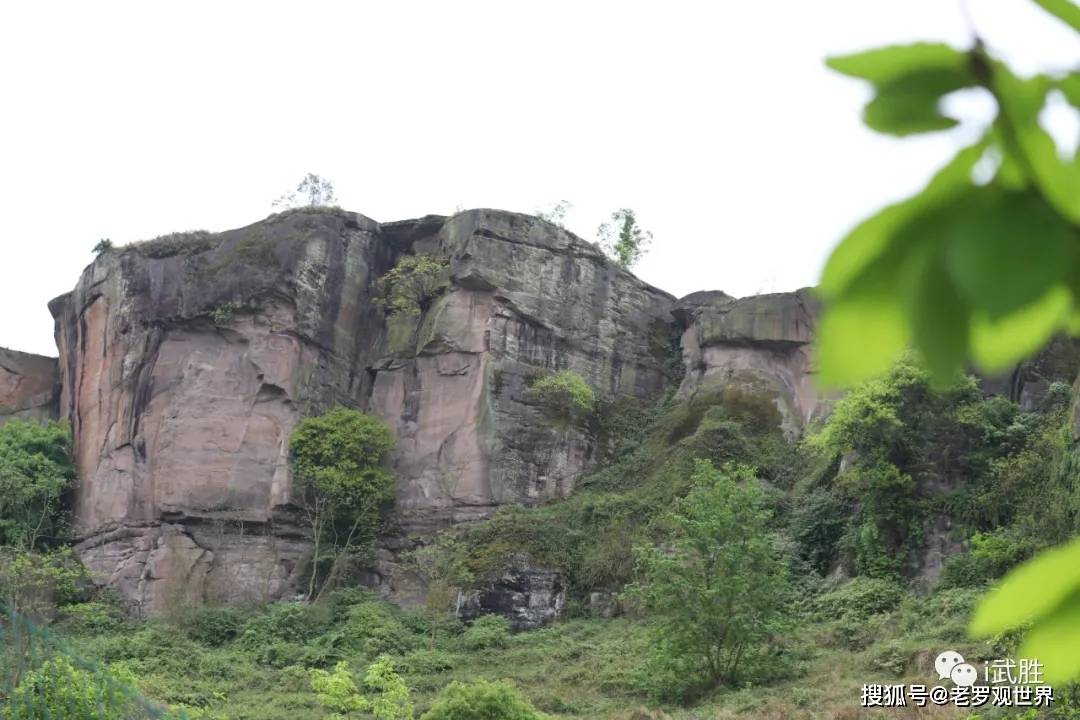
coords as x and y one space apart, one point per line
964 675
945 663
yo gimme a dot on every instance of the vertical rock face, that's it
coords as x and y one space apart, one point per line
28 386
526 298
185 362
759 345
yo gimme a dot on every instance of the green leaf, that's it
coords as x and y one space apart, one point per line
1005 249
1053 640
911 103
871 238
939 316
1030 591
1066 11
998 344
1070 88
883 65
863 331
910 81
1021 102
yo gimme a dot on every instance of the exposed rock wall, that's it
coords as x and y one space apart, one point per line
28 386
527 297
185 363
759 345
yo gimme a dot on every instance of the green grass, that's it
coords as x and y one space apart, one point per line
578 668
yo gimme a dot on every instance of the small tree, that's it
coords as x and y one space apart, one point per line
409 287
313 191
337 459
35 470
717 590
623 239
556 213
103 245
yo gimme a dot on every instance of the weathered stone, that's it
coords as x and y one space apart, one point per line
28 386
759 344
528 595
186 362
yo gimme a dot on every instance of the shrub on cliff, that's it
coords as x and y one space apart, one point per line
408 288
482 701
337 460
565 396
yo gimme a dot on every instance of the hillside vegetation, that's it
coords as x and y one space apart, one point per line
831 532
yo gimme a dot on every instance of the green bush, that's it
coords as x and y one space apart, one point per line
409 287
212 626
482 700
990 555
565 397
427 662
283 622
860 599
487 631
91 617
58 690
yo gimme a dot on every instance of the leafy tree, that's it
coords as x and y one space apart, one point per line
623 239
564 396
35 470
103 245
482 700
981 265
718 590
338 692
313 191
409 287
337 459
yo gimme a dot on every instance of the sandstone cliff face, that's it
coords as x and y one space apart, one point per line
186 362
759 345
526 297
28 386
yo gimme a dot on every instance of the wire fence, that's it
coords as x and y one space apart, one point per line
42 679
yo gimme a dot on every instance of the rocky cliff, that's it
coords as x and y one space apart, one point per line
186 361
28 386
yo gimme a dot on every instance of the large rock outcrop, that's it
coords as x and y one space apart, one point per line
28 386
186 361
759 345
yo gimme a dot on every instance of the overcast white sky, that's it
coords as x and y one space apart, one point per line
716 121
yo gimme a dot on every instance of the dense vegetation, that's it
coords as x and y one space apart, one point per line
711 565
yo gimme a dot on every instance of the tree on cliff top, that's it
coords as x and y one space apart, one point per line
337 460
313 191
623 239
